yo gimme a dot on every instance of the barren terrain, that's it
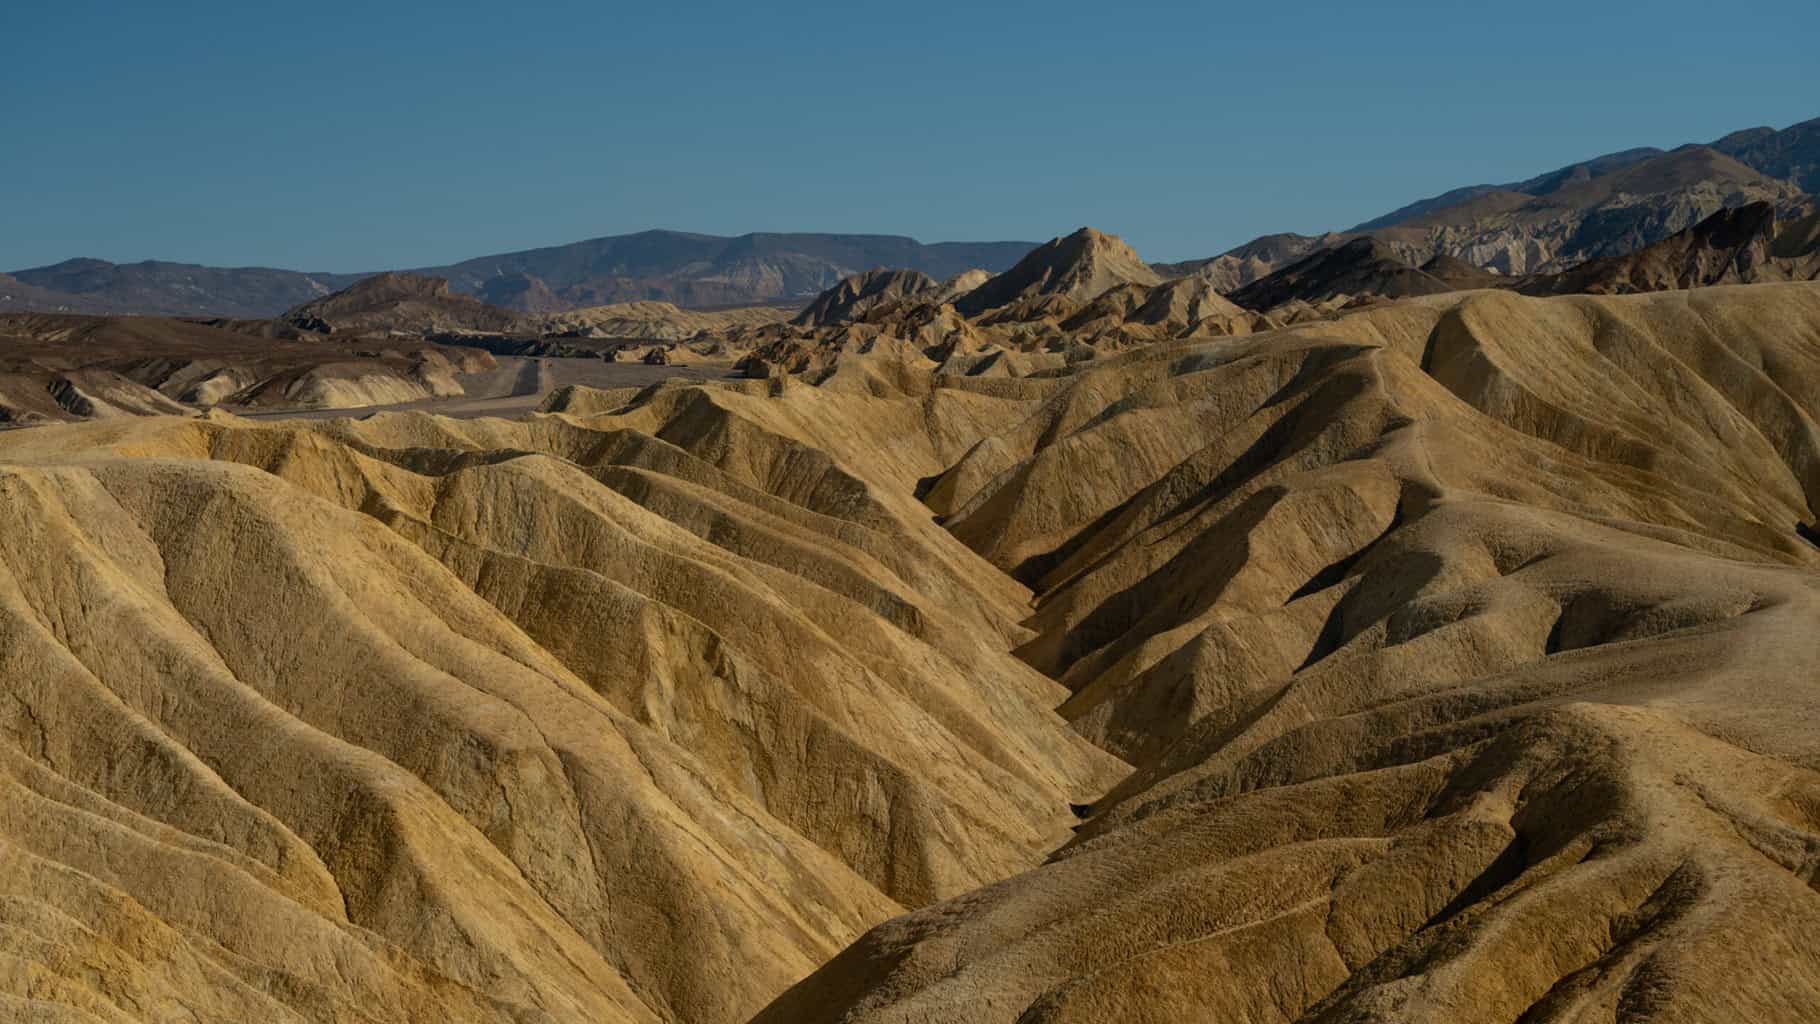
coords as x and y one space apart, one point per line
1441 659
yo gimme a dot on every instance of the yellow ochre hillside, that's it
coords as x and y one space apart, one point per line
1446 658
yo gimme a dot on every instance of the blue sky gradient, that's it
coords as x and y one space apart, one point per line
348 137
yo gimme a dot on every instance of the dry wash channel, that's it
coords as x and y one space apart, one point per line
1451 661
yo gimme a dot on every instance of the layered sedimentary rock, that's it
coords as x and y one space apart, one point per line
1464 649
627 717
1451 659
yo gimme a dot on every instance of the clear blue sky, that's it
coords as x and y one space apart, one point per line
333 136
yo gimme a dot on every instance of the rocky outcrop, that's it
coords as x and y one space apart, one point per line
960 284
96 367
1076 267
399 303
1603 207
859 294
1448 659
1581 218
1462 650
1238 267
633 712
654 321
1734 246
1362 266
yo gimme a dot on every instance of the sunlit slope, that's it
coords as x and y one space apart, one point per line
1467 650
1450 660
413 719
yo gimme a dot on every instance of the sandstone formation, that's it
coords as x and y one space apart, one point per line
1446 659
396 303
655 321
859 294
1239 266
57 367
960 284
1077 267
634 711
1075 297
1462 649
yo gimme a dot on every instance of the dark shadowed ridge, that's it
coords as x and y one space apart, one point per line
1792 153
856 294
1361 266
415 303
1745 245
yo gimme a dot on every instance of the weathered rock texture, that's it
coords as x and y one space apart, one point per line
59 367
1457 655
1465 649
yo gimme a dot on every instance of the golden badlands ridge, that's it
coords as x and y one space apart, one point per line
1456 659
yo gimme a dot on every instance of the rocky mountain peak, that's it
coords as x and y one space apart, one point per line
1077 266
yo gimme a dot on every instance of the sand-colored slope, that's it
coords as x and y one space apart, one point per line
552 720
59 367
1456 653
1078 267
656 320
1465 648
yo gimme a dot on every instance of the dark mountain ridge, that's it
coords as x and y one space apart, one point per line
1362 266
1791 154
165 288
400 302
1743 245
674 266
856 295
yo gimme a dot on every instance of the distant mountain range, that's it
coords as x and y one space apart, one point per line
1792 155
672 266
163 288
1599 208
708 270
1603 207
